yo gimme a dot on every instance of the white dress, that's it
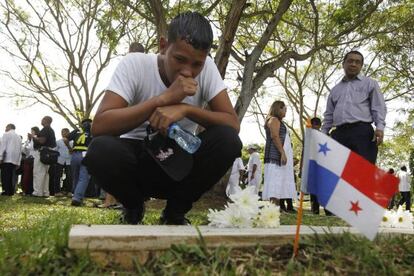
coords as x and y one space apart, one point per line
233 185
279 181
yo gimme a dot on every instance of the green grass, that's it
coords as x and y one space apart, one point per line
34 236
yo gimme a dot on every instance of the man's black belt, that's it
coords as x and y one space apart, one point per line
351 125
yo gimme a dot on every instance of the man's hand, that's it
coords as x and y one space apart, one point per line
379 136
164 116
179 89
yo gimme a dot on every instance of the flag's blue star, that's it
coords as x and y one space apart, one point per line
324 148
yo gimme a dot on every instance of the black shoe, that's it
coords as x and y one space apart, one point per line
76 203
133 216
173 219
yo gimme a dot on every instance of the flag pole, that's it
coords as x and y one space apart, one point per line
300 210
298 223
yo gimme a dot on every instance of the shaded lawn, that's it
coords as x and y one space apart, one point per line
34 233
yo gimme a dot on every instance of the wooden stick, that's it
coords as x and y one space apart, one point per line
298 223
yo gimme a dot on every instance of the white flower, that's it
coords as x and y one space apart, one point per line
388 219
403 219
216 218
245 212
269 216
232 216
247 200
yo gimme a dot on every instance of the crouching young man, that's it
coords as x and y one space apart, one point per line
158 90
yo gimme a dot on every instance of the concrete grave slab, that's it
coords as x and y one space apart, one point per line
124 244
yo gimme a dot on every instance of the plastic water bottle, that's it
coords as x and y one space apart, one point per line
184 139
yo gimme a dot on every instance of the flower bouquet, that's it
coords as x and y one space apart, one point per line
246 211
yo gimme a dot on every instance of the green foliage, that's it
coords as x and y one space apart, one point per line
395 152
411 166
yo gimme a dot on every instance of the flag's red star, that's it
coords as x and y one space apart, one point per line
355 207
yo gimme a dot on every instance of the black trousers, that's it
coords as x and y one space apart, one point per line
405 198
314 204
7 178
67 182
124 169
358 138
53 186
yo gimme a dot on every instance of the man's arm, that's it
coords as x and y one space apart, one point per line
221 113
378 111
253 171
3 142
328 115
115 117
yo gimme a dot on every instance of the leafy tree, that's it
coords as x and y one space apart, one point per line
60 49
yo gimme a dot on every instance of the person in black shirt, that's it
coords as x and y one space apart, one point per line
45 138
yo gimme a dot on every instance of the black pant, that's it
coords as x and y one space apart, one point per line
7 178
54 187
124 169
67 182
358 138
314 204
405 198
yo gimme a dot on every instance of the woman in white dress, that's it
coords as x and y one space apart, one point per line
279 180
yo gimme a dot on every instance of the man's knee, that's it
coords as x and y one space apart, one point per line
228 141
100 152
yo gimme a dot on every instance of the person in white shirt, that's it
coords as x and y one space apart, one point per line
10 157
63 146
405 188
234 180
254 168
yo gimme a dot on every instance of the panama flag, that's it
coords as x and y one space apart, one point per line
345 183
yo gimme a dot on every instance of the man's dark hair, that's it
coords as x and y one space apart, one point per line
354 52
404 168
48 119
65 129
193 28
11 126
316 121
35 129
136 47
391 171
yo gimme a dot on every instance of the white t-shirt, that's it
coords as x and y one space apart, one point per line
237 166
136 79
405 181
11 148
255 160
